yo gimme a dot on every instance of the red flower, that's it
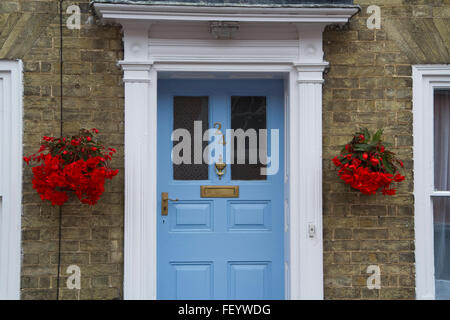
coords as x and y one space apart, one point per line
389 192
370 176
374 161
55 176
336 161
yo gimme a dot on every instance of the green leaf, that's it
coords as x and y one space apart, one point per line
377 136
366 134
387 165
362 147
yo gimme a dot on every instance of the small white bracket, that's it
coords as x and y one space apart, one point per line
312 230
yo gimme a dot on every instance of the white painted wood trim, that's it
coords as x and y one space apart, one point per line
305 254
223 51
116 12
302 64
140 184
425 79
140 166
11 178
306 183
440 194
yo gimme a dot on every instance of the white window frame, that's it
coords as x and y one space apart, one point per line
426 78
11 93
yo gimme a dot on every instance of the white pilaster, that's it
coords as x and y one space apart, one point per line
140 166
11 130
306 256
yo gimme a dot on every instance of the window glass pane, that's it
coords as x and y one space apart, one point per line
441 215
442 140
247 113
186 110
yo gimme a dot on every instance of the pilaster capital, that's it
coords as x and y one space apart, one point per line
136 71
310 72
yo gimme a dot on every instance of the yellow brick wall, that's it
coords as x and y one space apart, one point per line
368 84
92 237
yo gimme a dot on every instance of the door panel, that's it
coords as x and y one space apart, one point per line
249 216
191 280
219 248
249 280
191 217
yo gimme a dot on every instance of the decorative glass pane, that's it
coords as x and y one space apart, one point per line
442 140
186 110
248 113
441 216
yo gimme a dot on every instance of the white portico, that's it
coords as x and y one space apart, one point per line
235 42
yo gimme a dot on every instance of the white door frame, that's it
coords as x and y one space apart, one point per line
426 78
11 93
301 60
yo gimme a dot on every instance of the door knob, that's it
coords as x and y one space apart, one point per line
165 203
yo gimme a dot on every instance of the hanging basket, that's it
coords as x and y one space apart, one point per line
366 165
75 164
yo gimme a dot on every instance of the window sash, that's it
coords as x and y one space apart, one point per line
440 194
441 113
426 78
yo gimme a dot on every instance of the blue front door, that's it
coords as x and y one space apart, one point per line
222 246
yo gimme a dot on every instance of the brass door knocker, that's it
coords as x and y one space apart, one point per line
220 167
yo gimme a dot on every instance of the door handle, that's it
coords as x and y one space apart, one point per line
165 203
